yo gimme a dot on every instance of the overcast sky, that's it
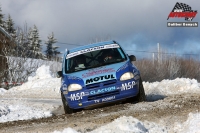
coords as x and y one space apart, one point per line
135 24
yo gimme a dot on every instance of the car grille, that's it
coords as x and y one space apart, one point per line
98 96
101 84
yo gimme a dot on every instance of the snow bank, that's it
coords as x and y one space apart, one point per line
67 130
132 125
42 85
21 112
125 125
2 91
192 125
42 80
129 124
42 72
16 103
3 111
159 90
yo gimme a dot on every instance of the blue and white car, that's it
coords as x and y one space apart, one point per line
97 74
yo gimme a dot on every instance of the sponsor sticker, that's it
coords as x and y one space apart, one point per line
74 78
127 86
105 99
108 89
77 96
108 98
123 67
100 78
96 72
92 49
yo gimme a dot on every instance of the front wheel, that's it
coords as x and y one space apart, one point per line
141 95
67 109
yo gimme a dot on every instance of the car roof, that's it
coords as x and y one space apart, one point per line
91 45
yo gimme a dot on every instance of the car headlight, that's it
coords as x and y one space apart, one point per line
126 76
74 87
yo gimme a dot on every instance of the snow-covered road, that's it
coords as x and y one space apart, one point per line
40 98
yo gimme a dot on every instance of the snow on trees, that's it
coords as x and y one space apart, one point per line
21 52
9 26
20 65
34 43
1 18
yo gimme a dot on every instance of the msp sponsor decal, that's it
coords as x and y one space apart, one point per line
182 10
105 99
91 49
108 89
77 96
100 78
96 72
127 86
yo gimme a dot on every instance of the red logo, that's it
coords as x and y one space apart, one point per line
182 10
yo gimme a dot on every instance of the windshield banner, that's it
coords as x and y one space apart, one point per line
91 49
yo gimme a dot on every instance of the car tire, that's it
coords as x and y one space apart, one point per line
66 107
141 95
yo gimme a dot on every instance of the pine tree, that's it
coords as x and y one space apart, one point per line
9 25
1 18
34 43
50 49
55 51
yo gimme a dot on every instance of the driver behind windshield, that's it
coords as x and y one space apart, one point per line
80 61
107 55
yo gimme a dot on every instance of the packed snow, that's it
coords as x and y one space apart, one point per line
129 124
159 90
124 124
28 100
42 85
31 101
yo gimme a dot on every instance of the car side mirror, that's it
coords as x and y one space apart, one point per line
59 74
132 57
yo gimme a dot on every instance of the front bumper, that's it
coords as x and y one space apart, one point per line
103 94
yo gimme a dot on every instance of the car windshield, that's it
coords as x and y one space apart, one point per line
87 59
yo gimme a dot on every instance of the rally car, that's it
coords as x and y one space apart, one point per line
98 73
